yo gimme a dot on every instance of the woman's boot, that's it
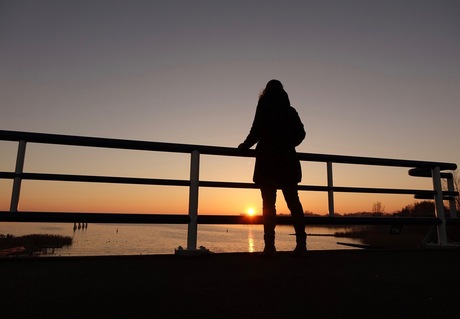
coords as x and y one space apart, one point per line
269 233
269 249
300 249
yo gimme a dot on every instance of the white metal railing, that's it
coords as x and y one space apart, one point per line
417 168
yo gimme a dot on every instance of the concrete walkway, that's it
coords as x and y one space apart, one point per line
326 284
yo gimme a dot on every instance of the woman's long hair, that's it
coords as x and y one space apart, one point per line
272 85
274 95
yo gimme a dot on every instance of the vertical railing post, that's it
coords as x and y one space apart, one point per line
330 189
439 205
451 188
193 200
18 179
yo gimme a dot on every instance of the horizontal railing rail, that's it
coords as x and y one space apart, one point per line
417 168
72 140
211 184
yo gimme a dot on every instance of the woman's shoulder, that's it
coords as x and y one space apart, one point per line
292 109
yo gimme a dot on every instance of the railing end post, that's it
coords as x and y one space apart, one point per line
439 205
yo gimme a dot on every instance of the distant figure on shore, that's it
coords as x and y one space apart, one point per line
277 130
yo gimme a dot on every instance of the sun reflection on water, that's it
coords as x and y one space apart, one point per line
251 248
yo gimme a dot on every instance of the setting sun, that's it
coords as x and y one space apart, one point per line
251 211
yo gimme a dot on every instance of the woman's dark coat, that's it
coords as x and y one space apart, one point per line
277 130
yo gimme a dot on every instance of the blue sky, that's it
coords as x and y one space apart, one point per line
368 78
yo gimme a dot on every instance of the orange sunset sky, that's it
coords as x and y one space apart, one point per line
368 78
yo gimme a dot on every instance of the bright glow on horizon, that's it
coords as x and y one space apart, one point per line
251 211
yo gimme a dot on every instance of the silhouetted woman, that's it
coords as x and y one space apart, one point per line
277 130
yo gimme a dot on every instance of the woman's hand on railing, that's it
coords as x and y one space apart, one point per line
242 146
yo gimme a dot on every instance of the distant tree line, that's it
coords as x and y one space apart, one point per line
420 209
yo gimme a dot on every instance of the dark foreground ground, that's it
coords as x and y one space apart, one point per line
326 284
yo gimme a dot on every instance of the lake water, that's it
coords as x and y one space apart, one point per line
117 239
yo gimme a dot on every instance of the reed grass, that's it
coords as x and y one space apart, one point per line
35 242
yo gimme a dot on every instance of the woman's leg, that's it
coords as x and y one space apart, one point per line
269 214
295 206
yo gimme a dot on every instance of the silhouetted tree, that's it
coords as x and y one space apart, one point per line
378 208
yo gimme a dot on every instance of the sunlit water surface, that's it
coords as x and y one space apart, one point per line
116 239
